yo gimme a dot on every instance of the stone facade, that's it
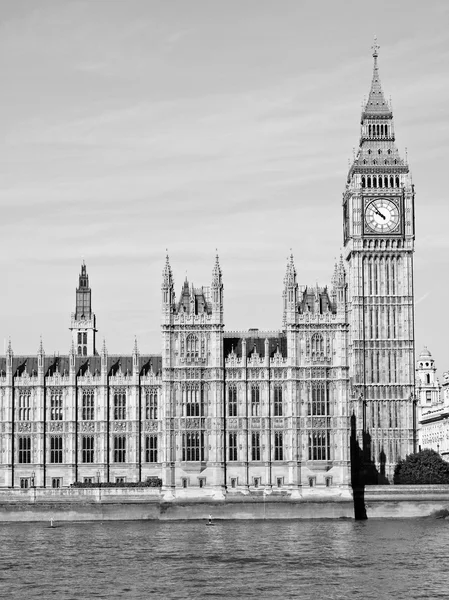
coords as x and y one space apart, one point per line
241 410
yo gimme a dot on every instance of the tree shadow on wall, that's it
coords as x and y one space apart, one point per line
363 469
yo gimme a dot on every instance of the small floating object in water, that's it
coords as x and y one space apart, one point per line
209 523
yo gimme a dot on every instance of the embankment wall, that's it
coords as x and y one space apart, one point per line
153 504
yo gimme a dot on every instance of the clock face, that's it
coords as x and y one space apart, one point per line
382 216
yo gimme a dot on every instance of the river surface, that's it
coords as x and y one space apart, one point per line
394 559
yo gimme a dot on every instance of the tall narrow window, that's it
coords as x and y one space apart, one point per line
277 400
193 400
319 409
119 449
56 405
56 449
151 448
88 405
24 405
232 400
278 445
233 445
255 445
255 400
87 449
119 405
151 403
24 449
192 351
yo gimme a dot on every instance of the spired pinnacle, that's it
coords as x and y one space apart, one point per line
103 348
376 103
41 348
135 349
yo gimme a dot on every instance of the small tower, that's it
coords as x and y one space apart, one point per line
427 385
217 292
168 294
290 294
83 319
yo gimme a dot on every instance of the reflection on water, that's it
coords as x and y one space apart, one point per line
399 559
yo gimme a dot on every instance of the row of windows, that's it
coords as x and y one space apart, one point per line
88 449
255 401
192 447
255 446
319 446
88 406
379 181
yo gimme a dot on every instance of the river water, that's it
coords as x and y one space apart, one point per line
394 559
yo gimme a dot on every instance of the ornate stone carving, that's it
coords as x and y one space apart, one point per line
56 426
87 426
23 427
119 426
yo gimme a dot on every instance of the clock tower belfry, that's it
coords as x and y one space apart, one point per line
378 223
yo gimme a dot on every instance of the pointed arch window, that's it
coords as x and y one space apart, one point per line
255 400
277 406
151 403
192 347
24 405
232 400
87 413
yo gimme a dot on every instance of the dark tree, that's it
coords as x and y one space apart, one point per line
422 467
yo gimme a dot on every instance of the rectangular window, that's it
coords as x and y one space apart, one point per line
319 445
256 482
233 445
280 482
119 449
233 482
278 445
255 446
119 406
24 405
56 405
151 404
88 449
202 482
255 400
193 446
56 449
232 400
428 396
56 482
151 448
88 405
278 401
184 482
320 402
24 449
194 401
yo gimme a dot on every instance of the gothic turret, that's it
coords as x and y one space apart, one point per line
290 294
83 326
167 287
217 291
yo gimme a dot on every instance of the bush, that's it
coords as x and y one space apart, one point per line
425 467
150 482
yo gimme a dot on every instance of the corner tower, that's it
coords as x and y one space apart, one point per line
378 225
83 319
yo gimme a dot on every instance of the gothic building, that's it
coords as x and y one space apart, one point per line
433 406
237 411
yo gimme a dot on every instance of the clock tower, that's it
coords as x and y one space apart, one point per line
378 224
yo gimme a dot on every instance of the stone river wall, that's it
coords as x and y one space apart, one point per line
101 504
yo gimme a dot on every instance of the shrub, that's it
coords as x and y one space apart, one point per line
425 467
150 482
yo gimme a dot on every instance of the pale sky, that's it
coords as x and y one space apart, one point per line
129 127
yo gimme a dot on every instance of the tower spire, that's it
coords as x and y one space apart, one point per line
376 103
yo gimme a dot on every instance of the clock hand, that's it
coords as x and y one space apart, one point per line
379 213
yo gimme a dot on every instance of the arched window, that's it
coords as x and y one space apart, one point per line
84 351
277 393
79 350
427 378
375 182
232 400
369 182
84 338
255 400
363 182
397 181
151 403
192 346
87 413
391 182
